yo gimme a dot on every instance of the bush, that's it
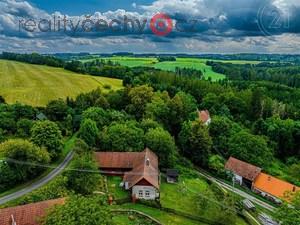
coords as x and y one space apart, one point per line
107 86
80 211
81 148
56 188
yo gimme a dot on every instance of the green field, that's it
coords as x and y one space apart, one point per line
36 85
195 63
199 64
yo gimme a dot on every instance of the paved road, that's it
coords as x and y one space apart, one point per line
238 192
39 183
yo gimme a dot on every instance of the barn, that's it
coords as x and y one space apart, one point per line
243 173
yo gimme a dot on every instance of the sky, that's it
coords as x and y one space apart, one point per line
178 26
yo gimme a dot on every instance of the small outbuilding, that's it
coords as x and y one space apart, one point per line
172 175
41 116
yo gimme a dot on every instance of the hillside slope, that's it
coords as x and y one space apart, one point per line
36 85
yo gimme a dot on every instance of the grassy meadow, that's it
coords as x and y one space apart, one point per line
198 64
195 63
36 85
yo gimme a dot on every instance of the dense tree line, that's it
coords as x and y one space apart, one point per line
286 58
33 58
286 74
166 58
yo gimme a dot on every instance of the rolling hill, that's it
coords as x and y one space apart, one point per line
37 85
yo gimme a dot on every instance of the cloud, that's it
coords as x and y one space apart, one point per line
202 25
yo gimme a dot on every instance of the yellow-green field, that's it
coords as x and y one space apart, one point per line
37 85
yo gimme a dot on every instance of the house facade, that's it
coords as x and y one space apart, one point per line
139 171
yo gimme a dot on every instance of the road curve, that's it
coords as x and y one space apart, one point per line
238 191
38 183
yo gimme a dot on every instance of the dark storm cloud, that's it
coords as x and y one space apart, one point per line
209 21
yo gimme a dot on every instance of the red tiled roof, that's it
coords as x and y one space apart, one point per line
143 170
243 169
117 160
204 115
136 161
27 214
274 186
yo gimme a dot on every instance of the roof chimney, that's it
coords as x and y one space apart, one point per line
13 222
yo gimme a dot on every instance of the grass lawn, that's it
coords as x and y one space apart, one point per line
130 219
198 64
114 189
183 197
128 61
163 217
36 85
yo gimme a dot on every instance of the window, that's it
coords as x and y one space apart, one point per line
147 194
140 194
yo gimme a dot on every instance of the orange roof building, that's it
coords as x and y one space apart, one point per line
139 171
27 214
272 187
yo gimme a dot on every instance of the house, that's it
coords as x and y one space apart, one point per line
172 175
272 188
261 183
139 171
27 214
243 173
204 116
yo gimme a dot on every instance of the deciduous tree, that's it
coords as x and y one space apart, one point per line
47 134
